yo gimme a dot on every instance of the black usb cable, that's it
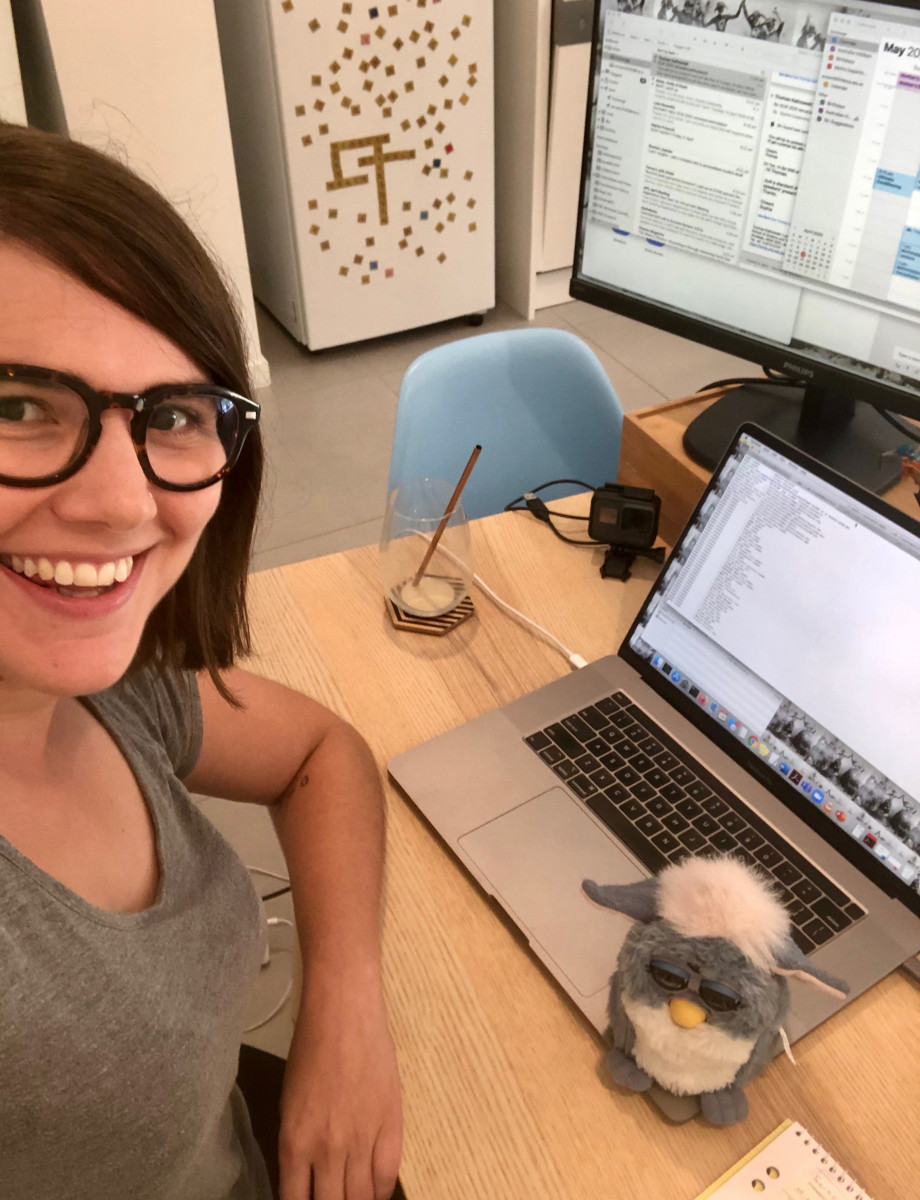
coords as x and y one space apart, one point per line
531 502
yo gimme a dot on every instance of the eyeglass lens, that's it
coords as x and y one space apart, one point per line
44 427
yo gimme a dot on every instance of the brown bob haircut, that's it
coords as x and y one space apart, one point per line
91 216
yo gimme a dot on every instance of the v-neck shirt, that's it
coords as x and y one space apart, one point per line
120 1032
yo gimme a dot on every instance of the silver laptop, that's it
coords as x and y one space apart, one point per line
764 704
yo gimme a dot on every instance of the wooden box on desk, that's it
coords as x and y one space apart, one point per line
652 455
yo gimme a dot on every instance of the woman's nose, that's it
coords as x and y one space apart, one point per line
110 488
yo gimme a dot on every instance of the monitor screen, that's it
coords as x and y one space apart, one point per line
797 662
751 179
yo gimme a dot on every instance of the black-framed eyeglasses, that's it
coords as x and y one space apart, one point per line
673 978
186 436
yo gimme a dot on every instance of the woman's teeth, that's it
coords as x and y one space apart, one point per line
79 575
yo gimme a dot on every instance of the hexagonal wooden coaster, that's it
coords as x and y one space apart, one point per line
433 626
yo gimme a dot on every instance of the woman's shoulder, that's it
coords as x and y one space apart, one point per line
157 705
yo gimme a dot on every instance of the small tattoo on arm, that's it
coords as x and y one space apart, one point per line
296 785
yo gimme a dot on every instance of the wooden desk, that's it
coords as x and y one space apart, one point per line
503 1096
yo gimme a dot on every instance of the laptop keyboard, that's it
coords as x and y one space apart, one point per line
663 805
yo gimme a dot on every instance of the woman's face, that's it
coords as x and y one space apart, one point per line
71 635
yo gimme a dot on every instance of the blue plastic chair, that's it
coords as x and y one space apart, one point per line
537 401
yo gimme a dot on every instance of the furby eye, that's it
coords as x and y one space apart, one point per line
668 976
718 997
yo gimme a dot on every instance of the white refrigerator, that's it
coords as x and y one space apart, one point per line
363 139
12 104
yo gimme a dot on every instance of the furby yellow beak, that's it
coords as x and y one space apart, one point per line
686 1014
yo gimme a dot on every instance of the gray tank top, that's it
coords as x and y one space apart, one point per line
120 1033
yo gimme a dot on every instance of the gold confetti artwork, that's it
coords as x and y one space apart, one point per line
377 159
388 158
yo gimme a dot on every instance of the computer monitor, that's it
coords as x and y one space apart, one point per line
751 180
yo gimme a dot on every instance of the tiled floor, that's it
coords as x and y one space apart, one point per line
328 425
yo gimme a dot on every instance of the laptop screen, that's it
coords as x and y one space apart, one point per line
787 616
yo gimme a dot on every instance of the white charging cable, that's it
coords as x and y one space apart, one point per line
575 660
272 922
286 994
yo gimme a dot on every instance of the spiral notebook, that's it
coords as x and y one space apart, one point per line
787 1165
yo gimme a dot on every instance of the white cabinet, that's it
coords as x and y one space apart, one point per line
543 50
363 137
12 105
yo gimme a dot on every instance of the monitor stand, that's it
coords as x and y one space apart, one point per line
847 435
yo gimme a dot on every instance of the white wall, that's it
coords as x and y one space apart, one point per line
143 80
12 105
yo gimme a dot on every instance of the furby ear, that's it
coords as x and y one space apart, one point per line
636 900
792 962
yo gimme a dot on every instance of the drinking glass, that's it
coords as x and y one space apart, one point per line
414 512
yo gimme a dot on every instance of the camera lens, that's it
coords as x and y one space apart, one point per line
636 520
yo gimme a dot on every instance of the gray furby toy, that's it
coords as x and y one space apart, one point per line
701 989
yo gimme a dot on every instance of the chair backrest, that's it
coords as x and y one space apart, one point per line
537 401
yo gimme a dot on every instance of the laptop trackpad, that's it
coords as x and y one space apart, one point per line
535 857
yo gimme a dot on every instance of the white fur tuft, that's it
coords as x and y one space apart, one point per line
722 897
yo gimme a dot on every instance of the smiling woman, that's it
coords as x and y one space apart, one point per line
95 506
130 465
80 211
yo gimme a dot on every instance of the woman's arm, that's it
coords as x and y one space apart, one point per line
341 1117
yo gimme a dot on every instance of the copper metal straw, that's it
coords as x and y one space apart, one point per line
448 513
